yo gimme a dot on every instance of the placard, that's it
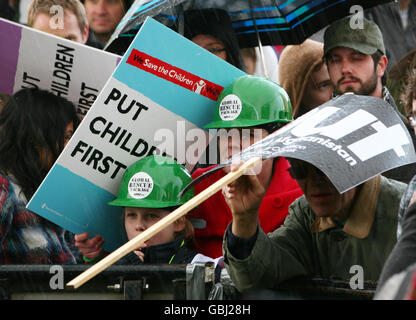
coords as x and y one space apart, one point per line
150 100
34 59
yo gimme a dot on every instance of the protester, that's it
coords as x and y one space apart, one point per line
398 26
104 17
304 76
325 234
357 62
35 126
143 208
212 30
356 58
74 25
263 108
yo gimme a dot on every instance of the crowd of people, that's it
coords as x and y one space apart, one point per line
286 221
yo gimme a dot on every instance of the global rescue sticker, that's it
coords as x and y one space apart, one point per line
230 107
140 185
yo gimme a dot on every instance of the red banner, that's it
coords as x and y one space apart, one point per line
173 74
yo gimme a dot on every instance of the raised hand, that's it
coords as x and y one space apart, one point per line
244 196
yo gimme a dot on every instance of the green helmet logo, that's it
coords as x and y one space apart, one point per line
230 107
251 101
153 182
140 185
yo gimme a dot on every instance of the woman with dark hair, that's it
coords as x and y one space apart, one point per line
212 30
35 126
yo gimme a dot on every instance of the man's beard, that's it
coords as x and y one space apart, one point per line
366 88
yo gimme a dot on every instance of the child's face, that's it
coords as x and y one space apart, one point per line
136 220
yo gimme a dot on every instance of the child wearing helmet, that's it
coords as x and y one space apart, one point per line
149 192
253 107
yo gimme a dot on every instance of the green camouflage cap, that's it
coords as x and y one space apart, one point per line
343 33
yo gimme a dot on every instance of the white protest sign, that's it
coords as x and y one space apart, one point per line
31 58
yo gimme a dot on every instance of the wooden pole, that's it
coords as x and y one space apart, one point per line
160 225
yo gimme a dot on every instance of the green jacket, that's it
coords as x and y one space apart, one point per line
310 246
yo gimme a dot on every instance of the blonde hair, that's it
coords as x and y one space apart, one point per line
43 6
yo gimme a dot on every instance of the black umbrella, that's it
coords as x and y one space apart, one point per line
273 22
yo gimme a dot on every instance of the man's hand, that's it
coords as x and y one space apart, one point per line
244 197
90 248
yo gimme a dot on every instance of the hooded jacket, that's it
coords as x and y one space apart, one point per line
296 64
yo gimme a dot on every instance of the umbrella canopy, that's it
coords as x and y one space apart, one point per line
274 22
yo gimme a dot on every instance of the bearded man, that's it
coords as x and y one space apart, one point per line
357 62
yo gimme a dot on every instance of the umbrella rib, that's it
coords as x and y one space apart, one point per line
258 38
280 12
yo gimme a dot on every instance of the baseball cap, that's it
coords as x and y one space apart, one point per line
343 33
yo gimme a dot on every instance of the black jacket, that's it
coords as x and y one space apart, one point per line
403 254
173 252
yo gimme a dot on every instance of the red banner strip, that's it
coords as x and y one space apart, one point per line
173 74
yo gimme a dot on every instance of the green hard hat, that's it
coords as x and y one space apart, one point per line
153 182
251 101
